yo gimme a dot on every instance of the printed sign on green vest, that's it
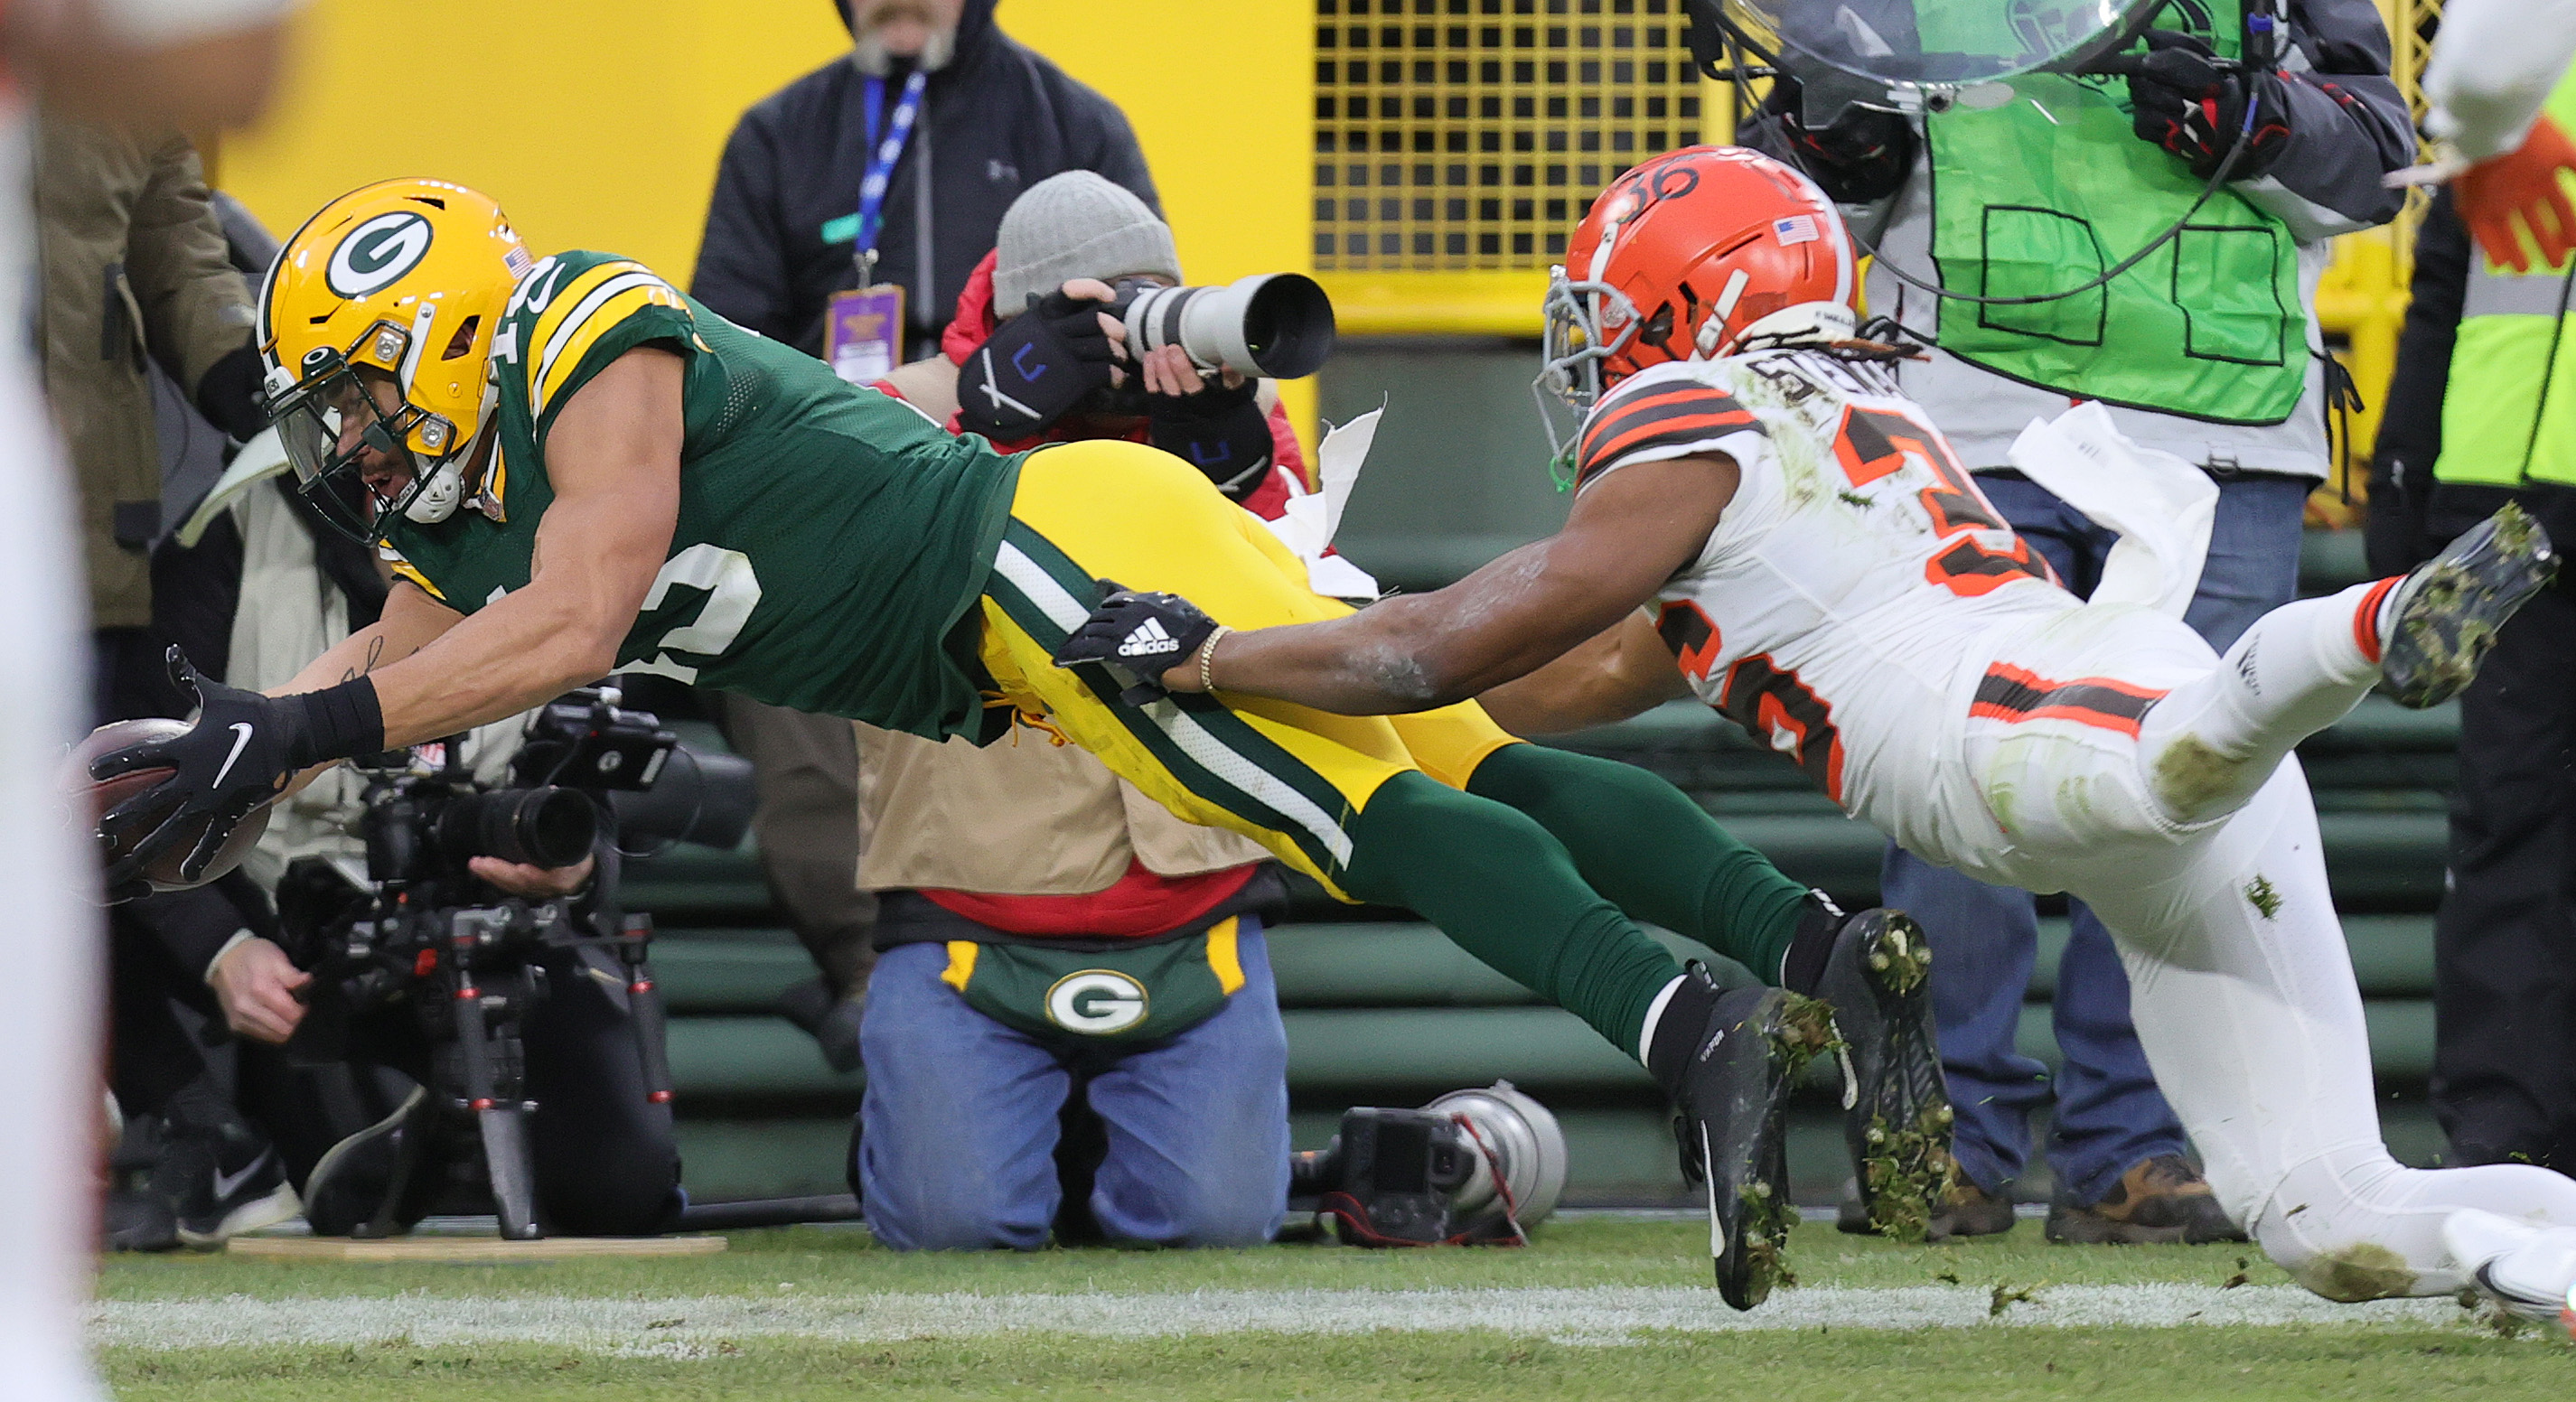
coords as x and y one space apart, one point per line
2046 191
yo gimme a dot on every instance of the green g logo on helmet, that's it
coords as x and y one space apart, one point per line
377 253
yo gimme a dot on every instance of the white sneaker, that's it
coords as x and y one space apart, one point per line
2527 1268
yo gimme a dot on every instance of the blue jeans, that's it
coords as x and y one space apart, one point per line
960 1119
1985 939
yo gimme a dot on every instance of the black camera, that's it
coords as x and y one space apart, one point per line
424 940
1472 1167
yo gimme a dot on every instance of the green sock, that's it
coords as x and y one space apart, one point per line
1505 891
1645 845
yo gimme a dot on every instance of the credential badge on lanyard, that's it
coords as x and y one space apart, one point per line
863 328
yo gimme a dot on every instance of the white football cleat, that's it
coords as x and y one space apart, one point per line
2527 1268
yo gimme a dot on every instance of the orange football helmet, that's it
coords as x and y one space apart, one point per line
1682 254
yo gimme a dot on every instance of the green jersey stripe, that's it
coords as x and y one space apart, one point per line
1216 742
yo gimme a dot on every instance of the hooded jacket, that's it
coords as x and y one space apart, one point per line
996 120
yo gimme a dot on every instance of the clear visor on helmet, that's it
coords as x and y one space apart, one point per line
335 434
1937 42
1581 325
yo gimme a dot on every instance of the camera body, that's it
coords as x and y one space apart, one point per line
424 941
1471 1167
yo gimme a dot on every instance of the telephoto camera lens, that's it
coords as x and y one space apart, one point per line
1274 324
548 827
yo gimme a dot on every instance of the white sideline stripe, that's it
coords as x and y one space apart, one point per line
690 1325
1065 612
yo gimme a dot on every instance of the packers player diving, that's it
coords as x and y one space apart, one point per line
573 469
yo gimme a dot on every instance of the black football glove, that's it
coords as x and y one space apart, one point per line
1147 634
1221 432
239 750
1860 156
2184 102
1035 366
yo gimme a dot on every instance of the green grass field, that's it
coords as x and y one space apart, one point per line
1595 1309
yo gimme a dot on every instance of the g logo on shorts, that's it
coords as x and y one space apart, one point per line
1096 1002
377 253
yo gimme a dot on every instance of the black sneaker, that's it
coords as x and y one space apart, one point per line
1896 1108
219 1176
2448 609
1732 1128
138 1219
350 1183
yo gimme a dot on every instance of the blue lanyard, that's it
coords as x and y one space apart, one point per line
886 151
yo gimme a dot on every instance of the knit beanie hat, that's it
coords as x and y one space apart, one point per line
1078 224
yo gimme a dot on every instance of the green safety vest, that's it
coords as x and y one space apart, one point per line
2508 415
2047 191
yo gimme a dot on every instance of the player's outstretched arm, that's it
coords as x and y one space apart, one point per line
613 457
1624 669
1629 532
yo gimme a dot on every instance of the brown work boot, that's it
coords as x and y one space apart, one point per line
1969 1210
2163 1199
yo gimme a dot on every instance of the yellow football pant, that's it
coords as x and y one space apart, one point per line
1290 777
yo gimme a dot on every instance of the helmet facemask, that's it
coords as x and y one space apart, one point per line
312 413
1572 346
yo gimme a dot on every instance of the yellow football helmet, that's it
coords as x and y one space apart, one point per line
410 278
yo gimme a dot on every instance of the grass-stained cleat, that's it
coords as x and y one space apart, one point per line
1733 1130
2446 613
1896 1107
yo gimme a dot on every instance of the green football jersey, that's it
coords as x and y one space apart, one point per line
830 539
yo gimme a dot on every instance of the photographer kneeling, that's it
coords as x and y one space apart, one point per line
559 1029
1071 1030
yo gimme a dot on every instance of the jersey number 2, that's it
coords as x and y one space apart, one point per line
732 591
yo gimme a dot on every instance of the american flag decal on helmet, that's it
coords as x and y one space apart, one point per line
1797 228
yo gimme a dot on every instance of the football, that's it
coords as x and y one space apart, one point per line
104 795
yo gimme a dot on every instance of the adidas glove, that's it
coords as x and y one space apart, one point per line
2184 102
1148 634
1221 432
240 750
1033 368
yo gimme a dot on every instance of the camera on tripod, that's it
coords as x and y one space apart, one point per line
426 944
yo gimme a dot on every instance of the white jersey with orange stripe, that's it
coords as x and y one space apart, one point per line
1846 608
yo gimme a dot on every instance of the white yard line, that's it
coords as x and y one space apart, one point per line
688 1325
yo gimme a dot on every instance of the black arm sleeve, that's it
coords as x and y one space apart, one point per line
742 273
2410 426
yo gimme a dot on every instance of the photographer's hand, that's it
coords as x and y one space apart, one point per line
1037 365
257 984
534 883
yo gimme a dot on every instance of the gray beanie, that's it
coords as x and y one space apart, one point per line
1078 224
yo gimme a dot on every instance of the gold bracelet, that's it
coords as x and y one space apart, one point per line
1207 655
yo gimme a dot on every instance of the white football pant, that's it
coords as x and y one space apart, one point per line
2194 839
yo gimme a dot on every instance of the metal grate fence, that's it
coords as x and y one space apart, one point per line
1473 134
